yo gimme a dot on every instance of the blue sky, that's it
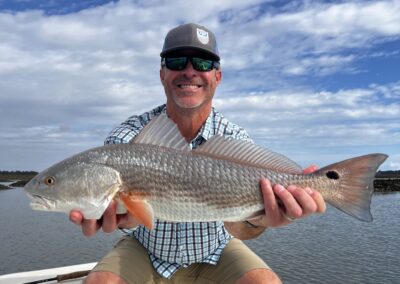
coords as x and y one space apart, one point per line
318 81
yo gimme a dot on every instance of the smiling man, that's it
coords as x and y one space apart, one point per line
200 252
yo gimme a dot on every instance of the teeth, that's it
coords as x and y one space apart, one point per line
188 86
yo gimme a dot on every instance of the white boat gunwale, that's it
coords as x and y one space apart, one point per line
34 275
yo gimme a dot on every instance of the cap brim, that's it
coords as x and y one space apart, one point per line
170 50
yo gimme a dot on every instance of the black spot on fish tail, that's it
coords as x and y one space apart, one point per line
332 175
354 184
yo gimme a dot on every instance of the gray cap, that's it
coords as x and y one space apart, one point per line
191 36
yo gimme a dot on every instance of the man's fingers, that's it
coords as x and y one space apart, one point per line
304 199
268 194
319 200
109 223
310 169
90 227
271 206
76 217
291 208
283 205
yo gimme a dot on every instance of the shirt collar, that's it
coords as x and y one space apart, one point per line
206 131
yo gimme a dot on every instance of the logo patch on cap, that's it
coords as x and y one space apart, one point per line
202 36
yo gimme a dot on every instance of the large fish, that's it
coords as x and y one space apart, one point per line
158 176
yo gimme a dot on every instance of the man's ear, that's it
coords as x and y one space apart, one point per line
218 75
162 75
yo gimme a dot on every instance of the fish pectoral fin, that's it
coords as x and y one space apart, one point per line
139 208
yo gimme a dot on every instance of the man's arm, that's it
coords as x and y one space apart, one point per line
281 204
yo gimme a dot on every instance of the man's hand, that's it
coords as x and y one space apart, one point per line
109 222
282 206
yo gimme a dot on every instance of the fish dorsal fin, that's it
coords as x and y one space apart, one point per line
247 153
162 131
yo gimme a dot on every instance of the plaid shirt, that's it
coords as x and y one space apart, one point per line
173 245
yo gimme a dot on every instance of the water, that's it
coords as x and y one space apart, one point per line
33 240
335 248
332 248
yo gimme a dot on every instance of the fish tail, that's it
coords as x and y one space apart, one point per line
355 177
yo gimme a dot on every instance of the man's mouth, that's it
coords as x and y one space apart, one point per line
189 86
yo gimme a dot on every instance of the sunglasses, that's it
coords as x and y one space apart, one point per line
180 63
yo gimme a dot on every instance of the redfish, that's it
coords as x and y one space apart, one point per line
158 176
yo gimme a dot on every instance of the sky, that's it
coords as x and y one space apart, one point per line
318 81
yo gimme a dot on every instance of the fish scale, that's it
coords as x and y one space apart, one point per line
193 181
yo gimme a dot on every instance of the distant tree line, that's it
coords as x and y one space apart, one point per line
388 174
18 173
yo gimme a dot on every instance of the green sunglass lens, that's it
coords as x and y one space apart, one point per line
202 64
177 63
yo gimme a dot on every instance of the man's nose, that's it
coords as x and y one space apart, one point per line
189 70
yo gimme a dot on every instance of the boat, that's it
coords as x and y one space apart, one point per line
49 275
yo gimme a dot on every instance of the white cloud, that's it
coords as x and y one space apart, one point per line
345 19
322 65
394 164
318 39
358 119
67 79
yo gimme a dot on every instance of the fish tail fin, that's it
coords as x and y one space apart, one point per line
355 177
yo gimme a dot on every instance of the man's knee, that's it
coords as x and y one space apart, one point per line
259 276
103 277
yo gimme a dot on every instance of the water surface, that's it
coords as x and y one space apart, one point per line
332 248
336 248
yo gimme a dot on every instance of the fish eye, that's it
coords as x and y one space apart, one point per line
49 181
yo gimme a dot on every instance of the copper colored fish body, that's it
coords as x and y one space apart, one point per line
158 176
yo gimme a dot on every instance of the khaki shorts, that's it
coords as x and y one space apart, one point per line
131 262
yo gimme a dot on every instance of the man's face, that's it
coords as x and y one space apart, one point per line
189 88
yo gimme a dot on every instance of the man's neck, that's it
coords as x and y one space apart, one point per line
189 121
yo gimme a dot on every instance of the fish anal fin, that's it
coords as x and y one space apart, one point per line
139 208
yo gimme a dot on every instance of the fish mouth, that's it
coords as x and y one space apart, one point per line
41 203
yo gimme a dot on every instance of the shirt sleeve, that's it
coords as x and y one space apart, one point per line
125 132
241 134
132 126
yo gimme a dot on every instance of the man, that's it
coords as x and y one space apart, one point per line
193 252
